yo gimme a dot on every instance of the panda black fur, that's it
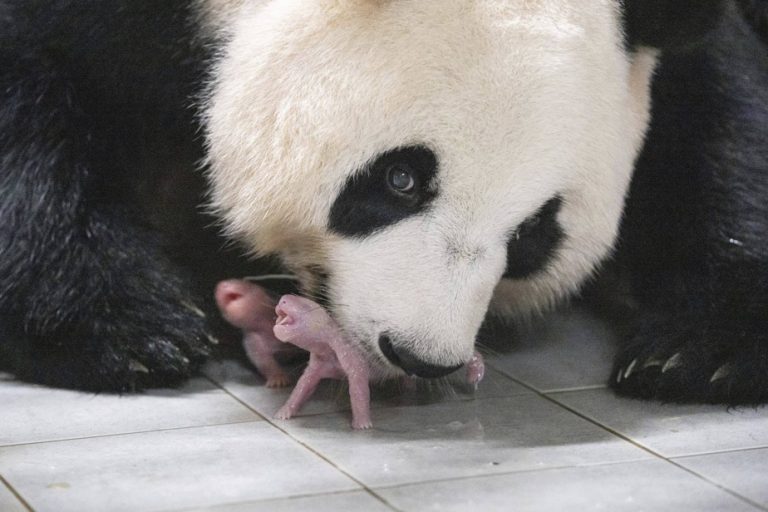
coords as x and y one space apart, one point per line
96 133
104 262
695 234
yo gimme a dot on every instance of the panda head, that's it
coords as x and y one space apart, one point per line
411 160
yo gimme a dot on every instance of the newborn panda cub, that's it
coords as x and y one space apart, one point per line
303 323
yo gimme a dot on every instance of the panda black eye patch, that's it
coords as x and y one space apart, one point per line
392 187
535 241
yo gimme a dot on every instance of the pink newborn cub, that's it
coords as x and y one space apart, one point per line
305 324
301 323
250 308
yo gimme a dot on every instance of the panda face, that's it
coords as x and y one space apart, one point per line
414 161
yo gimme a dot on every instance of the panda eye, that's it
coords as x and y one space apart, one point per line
392 187
400 178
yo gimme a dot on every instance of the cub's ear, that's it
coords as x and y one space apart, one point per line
667 24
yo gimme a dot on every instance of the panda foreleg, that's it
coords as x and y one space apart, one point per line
87 300
695 231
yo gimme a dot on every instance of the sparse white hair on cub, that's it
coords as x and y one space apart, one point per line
520 100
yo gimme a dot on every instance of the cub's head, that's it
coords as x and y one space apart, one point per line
411 159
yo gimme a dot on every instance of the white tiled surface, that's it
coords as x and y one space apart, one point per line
358 501
746 472
650 485
452 440
332 396
674 430
8 502
520 443
570 350
188 467
33 414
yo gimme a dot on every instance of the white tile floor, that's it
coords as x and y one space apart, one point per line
541 434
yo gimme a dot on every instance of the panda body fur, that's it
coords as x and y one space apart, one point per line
300 100
695 235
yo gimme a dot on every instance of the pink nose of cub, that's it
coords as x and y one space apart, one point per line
244 305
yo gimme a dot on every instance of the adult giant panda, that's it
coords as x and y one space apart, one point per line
418 163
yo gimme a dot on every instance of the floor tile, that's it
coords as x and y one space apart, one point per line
744 472
359 501
642 486
564 350
173 469
332 396
454 387
35 414
462 438
8 502
673 430
249 386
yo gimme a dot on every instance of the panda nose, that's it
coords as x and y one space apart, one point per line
411 364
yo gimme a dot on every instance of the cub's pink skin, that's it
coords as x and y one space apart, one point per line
250 308
475 369
304 324
307 325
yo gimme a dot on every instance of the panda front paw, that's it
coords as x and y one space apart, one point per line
117 343
158 348
694 362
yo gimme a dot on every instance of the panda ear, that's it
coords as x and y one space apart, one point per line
668 24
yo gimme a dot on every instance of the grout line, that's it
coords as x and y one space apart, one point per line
590 387
719 452
16 494
238 399
309 448
509 375
513 472
274 500
719 486
120 434
647 449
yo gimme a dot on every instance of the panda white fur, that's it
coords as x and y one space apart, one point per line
416 163
318 94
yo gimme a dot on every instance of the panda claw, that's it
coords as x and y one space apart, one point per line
650 363
138 367
721 373
630 369
194 309
672 363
